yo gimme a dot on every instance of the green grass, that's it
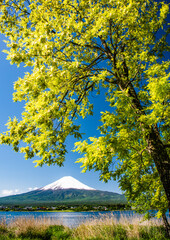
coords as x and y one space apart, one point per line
104 229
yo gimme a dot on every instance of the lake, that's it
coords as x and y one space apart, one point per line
70 219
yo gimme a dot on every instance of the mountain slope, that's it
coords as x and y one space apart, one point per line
64 191
63 196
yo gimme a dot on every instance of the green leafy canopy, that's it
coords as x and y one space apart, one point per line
74 48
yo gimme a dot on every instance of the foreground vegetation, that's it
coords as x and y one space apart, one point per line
105 228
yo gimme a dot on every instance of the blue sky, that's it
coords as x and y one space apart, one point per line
19 175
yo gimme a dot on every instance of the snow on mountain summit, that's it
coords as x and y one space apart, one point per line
66 183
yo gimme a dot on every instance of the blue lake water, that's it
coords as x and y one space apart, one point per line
70 219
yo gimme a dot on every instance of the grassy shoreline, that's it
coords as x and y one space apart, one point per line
105 228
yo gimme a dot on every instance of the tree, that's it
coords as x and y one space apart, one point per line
77 47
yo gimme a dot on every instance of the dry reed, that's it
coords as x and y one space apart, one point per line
23 224
108 227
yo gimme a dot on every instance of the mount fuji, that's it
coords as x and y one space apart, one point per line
66 190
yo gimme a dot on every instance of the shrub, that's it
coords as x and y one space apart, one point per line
152 233
34 233
59 232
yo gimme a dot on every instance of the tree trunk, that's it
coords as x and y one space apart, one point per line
166 224
161 160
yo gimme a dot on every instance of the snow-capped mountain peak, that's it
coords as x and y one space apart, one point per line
66 183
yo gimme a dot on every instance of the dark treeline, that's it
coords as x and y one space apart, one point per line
76 208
